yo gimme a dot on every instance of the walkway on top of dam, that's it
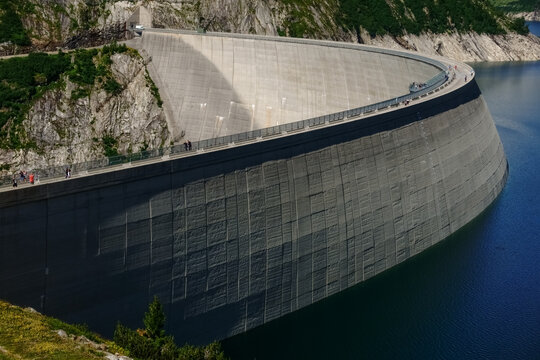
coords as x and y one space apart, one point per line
460 74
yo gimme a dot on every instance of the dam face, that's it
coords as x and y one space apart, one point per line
232 239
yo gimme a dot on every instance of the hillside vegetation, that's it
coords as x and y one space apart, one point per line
68 108
11 27
516 5
396 17
26 79
27 334
56 23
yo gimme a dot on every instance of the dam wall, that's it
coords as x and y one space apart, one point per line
235 238
222 85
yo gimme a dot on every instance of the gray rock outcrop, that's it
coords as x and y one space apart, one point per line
68 131
470 47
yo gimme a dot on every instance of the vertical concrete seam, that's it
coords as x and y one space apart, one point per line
171 278
184 190
265 245
46 270
151 246
245 172
342 188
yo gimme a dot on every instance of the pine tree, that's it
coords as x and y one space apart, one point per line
154 320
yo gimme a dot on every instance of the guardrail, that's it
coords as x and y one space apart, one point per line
432 85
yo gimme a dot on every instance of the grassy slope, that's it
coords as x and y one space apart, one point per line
28 335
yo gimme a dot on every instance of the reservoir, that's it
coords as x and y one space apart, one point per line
474 295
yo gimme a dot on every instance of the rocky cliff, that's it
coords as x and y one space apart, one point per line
528 16
73 123
469 47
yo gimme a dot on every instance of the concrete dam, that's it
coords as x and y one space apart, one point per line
297 187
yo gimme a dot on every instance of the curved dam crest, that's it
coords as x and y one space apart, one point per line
234 238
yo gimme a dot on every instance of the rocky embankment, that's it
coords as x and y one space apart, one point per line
469 47
67 128
528 16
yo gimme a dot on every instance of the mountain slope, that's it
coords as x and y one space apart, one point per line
76 22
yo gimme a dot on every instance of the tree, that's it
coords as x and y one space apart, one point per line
154 320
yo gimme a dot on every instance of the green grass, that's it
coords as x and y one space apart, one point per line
28 335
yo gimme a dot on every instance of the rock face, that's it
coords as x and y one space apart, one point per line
68 131
528 16
469 47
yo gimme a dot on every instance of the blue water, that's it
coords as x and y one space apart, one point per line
534 27
474 296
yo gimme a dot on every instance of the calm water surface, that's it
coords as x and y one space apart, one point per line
474 296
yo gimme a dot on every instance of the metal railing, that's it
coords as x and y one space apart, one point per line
432 85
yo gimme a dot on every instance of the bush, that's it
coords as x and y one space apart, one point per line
112 86
519 26
153 344
138 346
110 145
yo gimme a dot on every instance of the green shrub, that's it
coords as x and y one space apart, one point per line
153 89
112 86
110 145
153 344
138 346
519 26
80 93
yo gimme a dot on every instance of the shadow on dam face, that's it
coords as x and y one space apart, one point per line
231 239
199 100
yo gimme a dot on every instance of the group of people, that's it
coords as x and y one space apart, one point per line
24 177
32 178
187 145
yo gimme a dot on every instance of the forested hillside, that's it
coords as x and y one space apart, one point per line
516 5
